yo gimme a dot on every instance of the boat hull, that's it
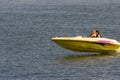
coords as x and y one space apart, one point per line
86 44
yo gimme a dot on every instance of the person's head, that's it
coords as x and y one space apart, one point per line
97 32
93 31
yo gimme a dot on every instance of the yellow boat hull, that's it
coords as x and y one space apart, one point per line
81 44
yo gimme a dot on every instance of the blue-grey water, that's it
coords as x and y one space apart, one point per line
27 53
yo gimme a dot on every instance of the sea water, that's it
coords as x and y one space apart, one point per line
27 52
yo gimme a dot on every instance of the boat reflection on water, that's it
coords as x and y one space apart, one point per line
72 58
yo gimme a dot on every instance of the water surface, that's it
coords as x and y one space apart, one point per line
27 53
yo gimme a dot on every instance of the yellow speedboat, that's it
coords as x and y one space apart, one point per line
87 44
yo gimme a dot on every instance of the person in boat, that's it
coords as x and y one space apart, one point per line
95 34
98 34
